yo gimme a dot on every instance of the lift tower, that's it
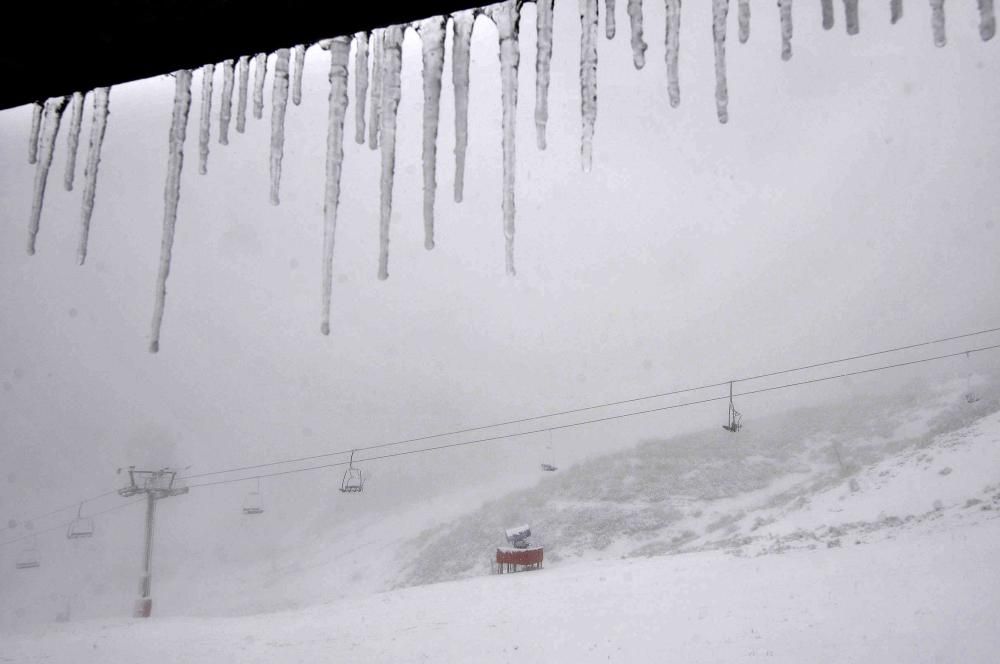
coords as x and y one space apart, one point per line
156 484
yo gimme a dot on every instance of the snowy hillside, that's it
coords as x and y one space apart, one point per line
794 480
916 583
825 534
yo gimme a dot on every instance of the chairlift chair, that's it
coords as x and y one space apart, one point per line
28 558
353 480
735 422
549 467
253 504
81 526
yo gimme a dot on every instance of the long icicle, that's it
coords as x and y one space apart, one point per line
340 49
392 60
609 19
785 9
171 196
462 24
635 23
895 10
205 126
673 42
98 125
73 142
588 79
54 108
360 85
432 34
937 23
226 102
259 73
743 14
720 12
375 103
279 102
851 17
507 17
241 102
827 11
36 129
987 20
543 60
300 65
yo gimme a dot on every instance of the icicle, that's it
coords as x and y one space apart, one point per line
937 22
171 196
851 16
204 130
76 120
638 45
375 107
543 61
392 60
300 65
241 102
895 10
827 6
54 108
259 72
36 127
98 124
226 103
720 12
609 18
507 17
360 85
432 33
462 24
673 41
785 9
744 18
279 102
588 78
987 21
340 50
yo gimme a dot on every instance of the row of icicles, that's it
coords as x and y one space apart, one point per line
383 97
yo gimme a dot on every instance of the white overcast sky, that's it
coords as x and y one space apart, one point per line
850 204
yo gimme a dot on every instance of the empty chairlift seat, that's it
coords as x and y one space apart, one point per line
80 527
353 481
28 558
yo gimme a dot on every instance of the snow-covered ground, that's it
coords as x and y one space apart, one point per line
823 536
931 596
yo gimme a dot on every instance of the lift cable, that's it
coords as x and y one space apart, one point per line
597 420
63 526
76 504
584 409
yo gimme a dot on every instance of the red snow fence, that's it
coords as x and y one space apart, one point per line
509 559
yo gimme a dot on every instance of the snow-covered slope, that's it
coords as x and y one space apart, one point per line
884 513
928 597
782 481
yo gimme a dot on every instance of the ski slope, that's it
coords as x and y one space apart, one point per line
926 597
821 536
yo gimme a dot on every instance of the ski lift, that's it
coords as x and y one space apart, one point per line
353 481
28 558
81 526
735 417
548 467
252 504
